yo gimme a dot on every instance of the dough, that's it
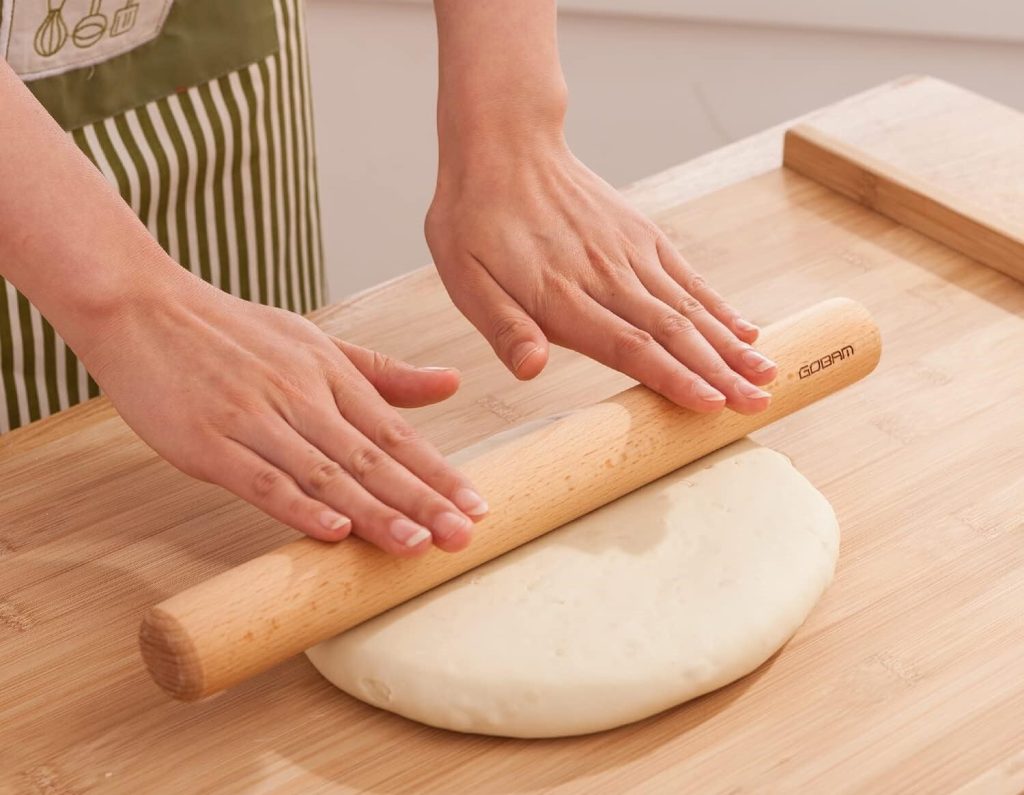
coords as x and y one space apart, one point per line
665 594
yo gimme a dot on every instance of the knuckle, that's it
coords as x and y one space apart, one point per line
552 296
435 225
603 267
696 283
649 229
236 409
431 221
441 477
297 506
286 386
364 461
558 287
688 305
344 399
323 474
631 341
265 481
673 324
444 475
724 309
629 244
509 329
394 433
382 364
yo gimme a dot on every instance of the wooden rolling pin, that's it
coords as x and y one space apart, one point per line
256 615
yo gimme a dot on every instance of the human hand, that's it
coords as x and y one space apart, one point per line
262 402
534 247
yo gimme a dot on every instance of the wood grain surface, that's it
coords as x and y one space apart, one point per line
907 677
950 168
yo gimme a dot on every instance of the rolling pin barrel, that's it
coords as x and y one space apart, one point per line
249 618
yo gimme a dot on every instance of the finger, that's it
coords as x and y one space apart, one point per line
388 430
342 439
740 356
678 335
695 284
512 333
319 476
599 333
398 382
250 476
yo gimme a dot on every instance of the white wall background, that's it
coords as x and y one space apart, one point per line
652 82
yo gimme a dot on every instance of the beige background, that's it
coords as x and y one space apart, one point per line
653 83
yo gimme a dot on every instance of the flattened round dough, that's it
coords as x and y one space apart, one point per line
672 591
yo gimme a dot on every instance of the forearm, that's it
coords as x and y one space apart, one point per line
499 79
67 240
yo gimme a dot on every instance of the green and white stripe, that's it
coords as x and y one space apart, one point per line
224 177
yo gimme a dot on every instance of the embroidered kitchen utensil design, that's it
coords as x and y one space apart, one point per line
44 38
90 28
53 32
124 18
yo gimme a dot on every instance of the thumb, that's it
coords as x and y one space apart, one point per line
514 335
398 382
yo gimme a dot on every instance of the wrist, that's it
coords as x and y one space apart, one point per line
115 296
477 125
501 91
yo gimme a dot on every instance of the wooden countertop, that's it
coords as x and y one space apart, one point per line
908 676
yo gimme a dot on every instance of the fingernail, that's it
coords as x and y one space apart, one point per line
435 369
408 534
708 392
756 361
747 389
333 521
745 325
470 502
448 524
522 352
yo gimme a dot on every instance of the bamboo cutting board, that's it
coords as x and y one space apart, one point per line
908 676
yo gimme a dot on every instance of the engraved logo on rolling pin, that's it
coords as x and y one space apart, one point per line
827 360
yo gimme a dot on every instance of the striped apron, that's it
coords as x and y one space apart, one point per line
198 112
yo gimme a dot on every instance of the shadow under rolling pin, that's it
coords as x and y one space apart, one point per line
254 616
